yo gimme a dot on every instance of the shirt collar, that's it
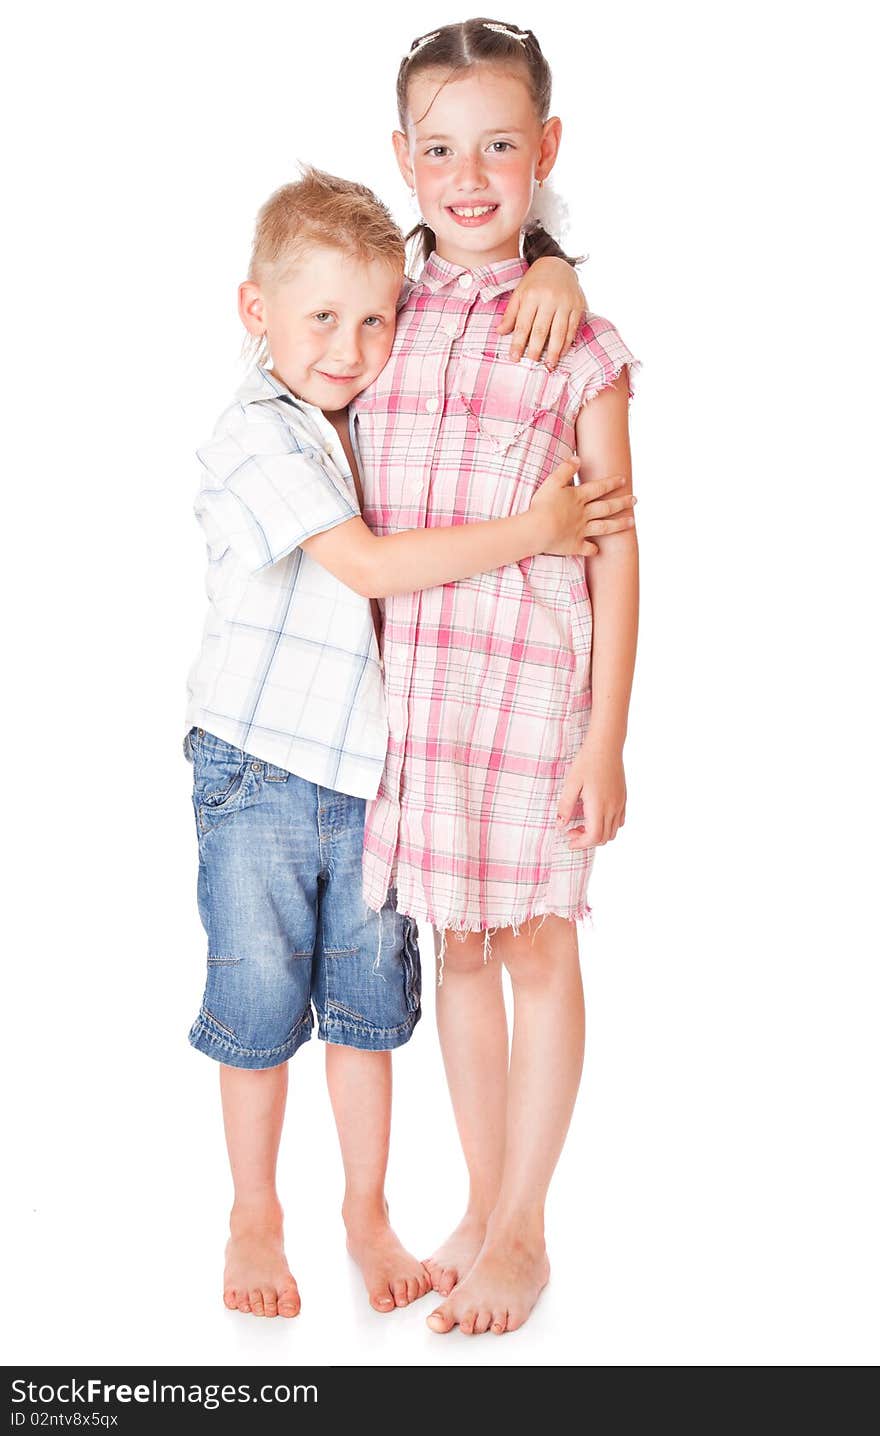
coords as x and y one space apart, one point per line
493 279
258 384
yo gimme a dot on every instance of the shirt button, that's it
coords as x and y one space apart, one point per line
465 280
451 329
432 405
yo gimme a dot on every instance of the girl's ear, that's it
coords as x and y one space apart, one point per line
551 138
250 308
401 150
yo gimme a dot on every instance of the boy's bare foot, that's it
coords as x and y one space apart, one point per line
500 1290
257 1278
393 1276
453 1260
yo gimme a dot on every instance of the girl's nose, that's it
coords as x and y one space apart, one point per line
470 172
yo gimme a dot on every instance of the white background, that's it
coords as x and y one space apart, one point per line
716 1202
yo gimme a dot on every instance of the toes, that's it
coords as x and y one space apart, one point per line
515 1320
230 1298
499 1322
256 1300
448 1279
413 1289
466 1323
400 1296
442 1319
483 1322
270 1302
289 1302
381 1299
243 1304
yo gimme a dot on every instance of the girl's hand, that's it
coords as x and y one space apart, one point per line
596 783
577 514
546 308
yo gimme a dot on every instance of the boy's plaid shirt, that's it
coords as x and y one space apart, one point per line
289 667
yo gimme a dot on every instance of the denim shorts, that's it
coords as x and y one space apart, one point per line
279 893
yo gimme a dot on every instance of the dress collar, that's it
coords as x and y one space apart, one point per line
493 279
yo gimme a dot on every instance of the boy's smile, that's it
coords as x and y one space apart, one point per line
330 323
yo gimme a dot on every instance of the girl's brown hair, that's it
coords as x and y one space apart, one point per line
458 48
319 210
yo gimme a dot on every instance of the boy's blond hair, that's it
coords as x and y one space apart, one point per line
319 211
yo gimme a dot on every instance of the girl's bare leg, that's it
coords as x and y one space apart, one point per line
472 1025
359 1084
545 1069
257 1278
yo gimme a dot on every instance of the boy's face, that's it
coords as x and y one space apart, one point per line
330 325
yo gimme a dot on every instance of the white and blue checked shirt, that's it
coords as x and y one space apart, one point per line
289 667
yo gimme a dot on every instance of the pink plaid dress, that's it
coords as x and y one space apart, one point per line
487 680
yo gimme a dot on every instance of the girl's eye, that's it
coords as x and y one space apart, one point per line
506 143
324 314
373 319
436 147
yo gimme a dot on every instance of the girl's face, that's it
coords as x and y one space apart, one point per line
474 149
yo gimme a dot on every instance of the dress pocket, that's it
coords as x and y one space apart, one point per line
504 399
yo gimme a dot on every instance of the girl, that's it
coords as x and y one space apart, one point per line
507 693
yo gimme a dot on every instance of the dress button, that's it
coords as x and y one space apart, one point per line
451 329
465 280
432 405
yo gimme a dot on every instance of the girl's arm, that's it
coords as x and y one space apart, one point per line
596 776
562 519
546 307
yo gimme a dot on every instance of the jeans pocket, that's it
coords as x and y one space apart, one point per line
225 779
412 965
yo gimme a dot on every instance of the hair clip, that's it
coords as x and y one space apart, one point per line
417 44
520 35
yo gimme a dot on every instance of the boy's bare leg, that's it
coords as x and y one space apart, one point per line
545 1068
472 1025
257 1278
360 1092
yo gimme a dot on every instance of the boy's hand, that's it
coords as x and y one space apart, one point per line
546 308
595 782
577 514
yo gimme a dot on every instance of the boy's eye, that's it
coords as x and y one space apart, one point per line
436 147
374 319
324 314
506 143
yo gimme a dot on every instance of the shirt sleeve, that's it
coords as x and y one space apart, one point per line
598 354
264 490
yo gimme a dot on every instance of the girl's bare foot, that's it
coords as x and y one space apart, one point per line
453 1260
257 1278
393 1276
500 1290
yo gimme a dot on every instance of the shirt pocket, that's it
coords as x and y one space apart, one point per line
505 400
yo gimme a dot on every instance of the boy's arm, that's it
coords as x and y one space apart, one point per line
558 520
546 307
596 775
